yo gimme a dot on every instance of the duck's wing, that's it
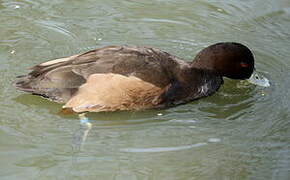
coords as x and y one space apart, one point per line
54 80
59 79
114 92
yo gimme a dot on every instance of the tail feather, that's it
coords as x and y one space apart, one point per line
22 83
26 83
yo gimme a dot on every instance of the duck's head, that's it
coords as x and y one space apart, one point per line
229 59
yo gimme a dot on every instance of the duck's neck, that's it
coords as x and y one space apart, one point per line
202 63
195 75
191 83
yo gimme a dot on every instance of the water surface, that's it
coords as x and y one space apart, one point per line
241 132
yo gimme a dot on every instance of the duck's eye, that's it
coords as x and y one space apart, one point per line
242 64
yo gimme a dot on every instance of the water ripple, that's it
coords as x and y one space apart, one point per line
161 149
57 27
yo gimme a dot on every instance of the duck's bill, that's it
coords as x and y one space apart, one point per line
259 80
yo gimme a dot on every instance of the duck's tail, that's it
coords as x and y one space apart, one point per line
23 83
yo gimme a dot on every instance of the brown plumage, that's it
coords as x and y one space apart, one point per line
111 92
132 78
59 79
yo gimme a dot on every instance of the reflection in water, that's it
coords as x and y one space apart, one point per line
232 101
81 135
37 102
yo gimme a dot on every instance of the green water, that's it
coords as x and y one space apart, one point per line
241 132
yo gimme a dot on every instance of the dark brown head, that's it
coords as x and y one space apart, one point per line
229 59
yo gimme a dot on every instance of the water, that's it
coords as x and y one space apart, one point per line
241 132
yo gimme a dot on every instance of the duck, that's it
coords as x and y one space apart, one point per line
129 78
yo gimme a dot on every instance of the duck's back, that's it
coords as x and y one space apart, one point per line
59 80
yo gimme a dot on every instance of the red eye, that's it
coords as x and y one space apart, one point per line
242 64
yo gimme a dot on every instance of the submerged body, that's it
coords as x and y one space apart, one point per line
133 78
